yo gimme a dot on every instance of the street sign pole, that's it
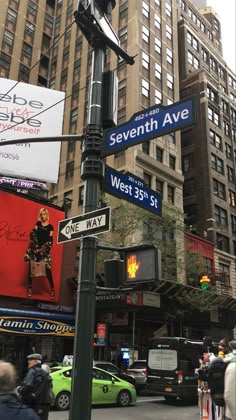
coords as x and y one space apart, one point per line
91 172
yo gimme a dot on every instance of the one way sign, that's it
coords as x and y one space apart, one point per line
91 223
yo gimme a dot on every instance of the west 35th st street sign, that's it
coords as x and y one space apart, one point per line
149 124
91 223
131 188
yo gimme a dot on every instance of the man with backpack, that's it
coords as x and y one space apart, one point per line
35 388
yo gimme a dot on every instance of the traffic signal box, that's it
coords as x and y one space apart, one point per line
204 281
140 264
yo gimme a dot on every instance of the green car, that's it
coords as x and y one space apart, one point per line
106 388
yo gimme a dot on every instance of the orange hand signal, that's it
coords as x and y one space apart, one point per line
132 266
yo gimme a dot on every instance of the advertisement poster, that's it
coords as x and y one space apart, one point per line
30 111
28 232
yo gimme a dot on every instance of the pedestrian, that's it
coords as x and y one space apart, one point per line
38 251
11 408
230 383
49 396
34 389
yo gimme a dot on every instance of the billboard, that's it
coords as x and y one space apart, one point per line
23 239
28 111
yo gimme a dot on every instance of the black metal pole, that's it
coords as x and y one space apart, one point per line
91 172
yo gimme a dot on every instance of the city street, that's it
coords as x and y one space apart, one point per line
146 408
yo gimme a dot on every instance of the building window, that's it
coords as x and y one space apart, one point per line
159 186
212 95
70 150
8 38
67 201
213 116
32 8
193 60
145 88
205 56
170 81
24 73
228 151
159 154
11 16
145 60
219 189
222 242
147 179
171 138
221 216
217 164
226 128
187 163
158 71
230 174
172 162
213 64
158 96
157 21
69 170
215 139
145 9
192 41
74 116
146 147
169 56
145 34
5 61
168 32
171 194
81 195
29 29
168 9
233 223
157 45
189 187
232 198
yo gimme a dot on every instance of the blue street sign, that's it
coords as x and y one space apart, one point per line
131 188
150 123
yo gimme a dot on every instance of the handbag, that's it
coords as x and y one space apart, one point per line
37 268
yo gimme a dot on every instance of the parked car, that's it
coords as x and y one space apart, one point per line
114 370
117 392
139 371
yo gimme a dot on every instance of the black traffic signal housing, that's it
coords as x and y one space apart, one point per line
142 264
113 273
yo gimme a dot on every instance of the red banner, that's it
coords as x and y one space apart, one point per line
18 218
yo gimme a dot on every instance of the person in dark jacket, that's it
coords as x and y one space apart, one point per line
10 406
35 386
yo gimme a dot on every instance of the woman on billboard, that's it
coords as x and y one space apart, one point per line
38 252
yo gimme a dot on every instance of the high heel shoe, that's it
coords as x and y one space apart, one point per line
52 295
29 292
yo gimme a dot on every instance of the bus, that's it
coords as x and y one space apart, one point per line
171 365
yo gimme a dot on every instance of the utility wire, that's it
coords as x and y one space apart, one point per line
35 64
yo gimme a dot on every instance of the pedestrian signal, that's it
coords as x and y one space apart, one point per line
142 264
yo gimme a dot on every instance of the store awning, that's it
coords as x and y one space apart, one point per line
186 293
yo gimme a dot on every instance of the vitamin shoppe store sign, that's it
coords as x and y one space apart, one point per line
22 322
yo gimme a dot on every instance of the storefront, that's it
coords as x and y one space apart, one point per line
25 332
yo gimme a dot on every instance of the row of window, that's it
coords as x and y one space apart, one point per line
216 164
146 8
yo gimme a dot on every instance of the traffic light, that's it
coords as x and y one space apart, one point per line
142 264
204 281
113 273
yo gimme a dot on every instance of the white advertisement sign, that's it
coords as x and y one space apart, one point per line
28 111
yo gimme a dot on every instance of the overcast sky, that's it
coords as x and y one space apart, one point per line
226 9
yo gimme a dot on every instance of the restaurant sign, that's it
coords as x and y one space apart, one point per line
28 325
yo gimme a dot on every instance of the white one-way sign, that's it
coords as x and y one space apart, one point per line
91 223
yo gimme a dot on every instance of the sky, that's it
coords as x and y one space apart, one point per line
226 9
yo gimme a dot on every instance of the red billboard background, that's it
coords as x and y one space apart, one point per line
18 216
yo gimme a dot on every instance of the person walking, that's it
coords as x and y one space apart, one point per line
35 387
10 406
230 383
38 251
